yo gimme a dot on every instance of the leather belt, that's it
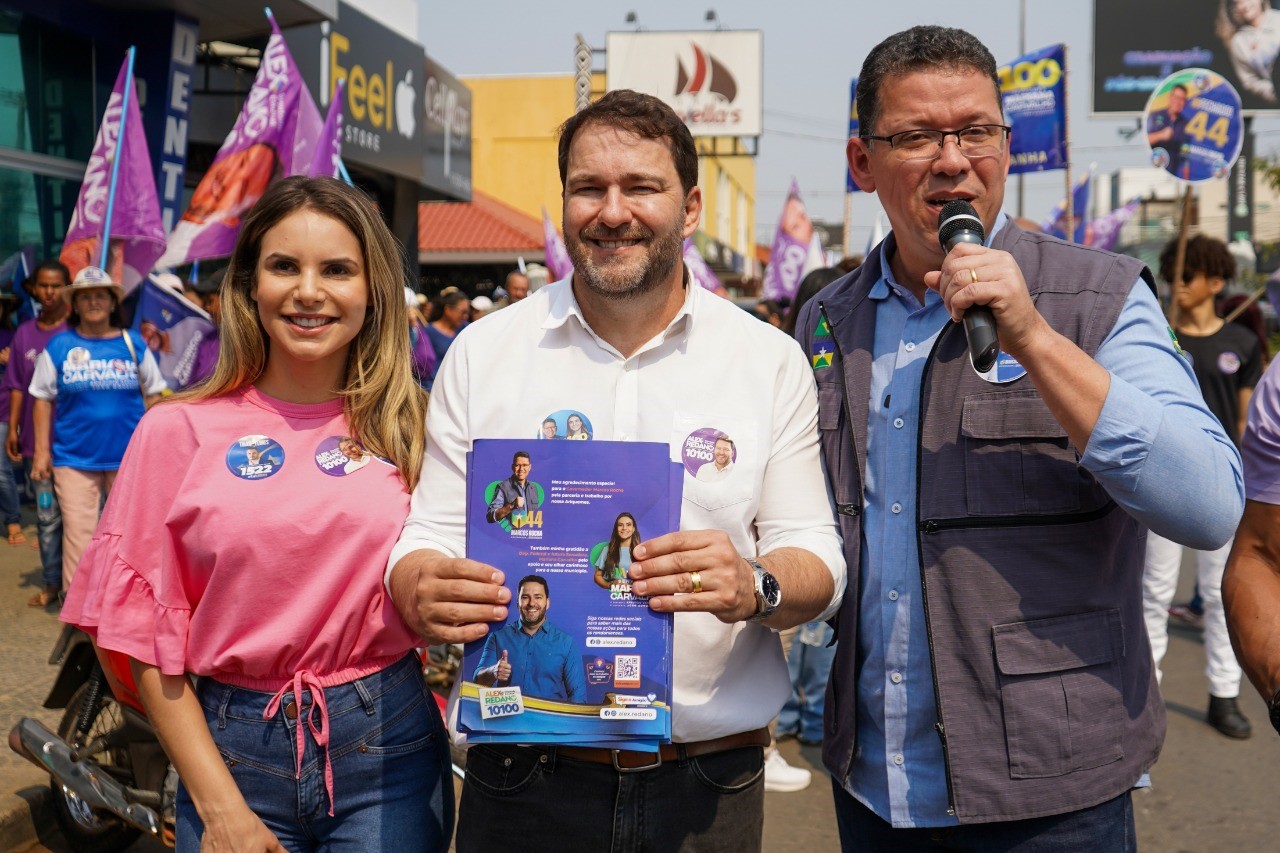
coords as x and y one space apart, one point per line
630 761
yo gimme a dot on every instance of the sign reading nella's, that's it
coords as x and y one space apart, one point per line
711 79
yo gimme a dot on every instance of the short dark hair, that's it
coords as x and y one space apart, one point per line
551 421
646 117
1204 255
916 49
1180 86
521 453
534 579
51 265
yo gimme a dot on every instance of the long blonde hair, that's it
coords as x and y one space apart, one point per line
384 405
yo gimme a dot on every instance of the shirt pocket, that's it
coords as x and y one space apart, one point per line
1060 691
695 438
1018 460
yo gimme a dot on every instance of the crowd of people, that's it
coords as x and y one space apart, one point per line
955 583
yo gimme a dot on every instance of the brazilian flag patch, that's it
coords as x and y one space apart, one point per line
823 330
1177 347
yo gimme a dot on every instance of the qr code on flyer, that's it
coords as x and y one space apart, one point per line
626 671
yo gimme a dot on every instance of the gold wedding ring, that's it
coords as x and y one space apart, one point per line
696 580
973 276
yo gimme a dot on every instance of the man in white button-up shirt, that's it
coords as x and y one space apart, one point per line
639 353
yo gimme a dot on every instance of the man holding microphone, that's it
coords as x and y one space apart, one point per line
993 685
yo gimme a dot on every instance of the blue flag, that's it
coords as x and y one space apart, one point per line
173 329
1057 223
1034 91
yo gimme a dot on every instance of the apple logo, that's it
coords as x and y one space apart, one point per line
405 98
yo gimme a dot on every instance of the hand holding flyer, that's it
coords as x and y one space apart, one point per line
581 658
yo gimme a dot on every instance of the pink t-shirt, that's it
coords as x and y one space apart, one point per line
245 540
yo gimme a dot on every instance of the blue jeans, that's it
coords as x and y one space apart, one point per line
809 666
1106 827
9 505
390 752
49 534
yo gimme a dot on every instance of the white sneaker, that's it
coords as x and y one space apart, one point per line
781 777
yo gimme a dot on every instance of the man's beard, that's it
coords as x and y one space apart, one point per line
622 280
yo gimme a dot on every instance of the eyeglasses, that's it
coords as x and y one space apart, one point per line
976 140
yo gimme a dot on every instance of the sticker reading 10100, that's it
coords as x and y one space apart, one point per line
255 457
500 702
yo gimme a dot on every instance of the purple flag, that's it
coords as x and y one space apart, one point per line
274 135
173 329
558 263
137 232
324 163
1104 230
788 261
1057 224
698 268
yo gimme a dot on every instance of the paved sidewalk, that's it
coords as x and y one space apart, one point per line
25 679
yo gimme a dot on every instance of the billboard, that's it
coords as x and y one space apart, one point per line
714 80
1136 45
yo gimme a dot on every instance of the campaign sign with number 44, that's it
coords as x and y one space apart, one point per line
1194 125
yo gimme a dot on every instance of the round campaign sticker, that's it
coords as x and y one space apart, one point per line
1005 370
340 455
566 424
1229 363
710 448
1194 125
255 457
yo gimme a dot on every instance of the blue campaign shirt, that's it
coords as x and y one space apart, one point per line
546 665
898 769
99 402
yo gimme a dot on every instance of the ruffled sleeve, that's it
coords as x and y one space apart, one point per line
129 590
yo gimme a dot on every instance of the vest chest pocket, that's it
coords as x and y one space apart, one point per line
1060 692
1017 458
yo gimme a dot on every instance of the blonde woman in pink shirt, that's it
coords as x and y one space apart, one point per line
310 725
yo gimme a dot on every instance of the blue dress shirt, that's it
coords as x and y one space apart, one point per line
545 665
1137 447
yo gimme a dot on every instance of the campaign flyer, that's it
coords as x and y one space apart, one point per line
580 660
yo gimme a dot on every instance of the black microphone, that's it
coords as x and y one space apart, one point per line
959 223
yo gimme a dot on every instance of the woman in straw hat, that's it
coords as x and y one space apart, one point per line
102 377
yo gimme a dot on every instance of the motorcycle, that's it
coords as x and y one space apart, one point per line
111 780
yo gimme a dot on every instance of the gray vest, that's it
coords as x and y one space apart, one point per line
1047 700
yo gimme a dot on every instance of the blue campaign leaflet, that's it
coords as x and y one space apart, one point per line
580 659
1194 125
1034 94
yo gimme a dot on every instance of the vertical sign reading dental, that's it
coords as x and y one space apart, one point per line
177 106
382 75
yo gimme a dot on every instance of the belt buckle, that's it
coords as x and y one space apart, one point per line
613 753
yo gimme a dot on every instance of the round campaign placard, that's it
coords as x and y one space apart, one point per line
1194 125
340 455
700 448
1006 369
255 457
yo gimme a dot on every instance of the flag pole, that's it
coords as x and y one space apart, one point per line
1066 135
848 222
115 159
1179 258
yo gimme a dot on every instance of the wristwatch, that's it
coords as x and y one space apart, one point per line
768 592
1274 708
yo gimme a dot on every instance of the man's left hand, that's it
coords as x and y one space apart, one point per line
975 275
662 567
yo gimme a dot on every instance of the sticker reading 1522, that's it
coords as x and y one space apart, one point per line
500 702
